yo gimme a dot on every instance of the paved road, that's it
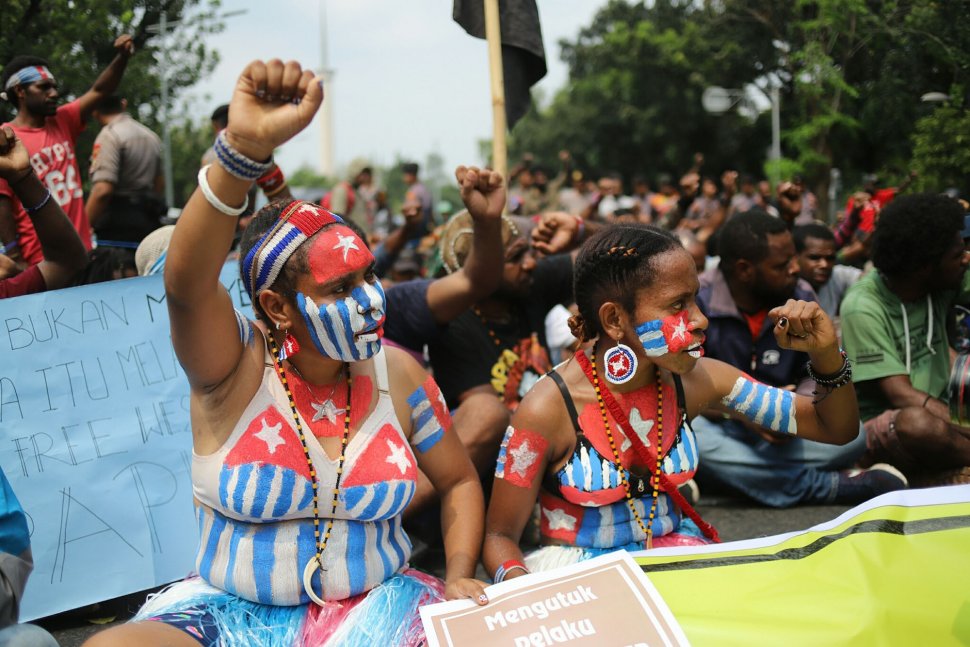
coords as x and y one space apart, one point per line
734 520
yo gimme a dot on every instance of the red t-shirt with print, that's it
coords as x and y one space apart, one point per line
52 155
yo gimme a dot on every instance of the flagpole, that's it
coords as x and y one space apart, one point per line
493 33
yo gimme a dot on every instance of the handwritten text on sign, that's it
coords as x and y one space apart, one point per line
604 601
95 439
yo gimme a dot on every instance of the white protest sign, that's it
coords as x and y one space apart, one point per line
96 441
602 602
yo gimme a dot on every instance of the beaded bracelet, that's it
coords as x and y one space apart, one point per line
502 571
271 181
216 203
40 205
237 164
832 381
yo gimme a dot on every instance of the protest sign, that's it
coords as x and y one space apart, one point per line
604 601
95 439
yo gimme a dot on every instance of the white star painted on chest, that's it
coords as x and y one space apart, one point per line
271 436
559 519
324 410
641 428
522 458
345 243
680 330
398 457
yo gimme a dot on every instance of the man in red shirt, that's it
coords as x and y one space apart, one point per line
49 132
63 253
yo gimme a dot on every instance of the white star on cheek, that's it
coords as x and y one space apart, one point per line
346 243
271 436
522 459
398 458
680 330
560 520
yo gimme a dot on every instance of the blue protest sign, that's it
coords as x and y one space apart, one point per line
95 439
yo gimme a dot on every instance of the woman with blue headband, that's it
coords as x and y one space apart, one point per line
307 434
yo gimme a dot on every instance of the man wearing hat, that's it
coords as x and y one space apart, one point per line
50 132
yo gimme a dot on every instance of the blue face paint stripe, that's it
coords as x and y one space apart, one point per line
264 560
380 497
285 499
343 311
244 472
301 303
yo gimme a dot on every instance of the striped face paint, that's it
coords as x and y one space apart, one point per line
430 418
668 335
349 329
763 405
520 457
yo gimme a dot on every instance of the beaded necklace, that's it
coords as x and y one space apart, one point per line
589 368
531 355
316 563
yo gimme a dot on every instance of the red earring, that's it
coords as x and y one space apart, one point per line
290 346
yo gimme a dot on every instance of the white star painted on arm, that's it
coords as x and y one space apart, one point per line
271 436
398 457
346 243
523 458
560 519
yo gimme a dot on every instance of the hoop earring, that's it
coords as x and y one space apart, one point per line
621 364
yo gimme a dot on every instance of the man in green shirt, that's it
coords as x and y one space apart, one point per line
894 329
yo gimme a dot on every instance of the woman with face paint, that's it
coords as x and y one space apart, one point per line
603 441
307 434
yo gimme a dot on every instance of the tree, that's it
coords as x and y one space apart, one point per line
941 147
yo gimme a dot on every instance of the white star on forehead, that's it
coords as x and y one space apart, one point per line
323 410
560 519
346 243
680 330
271 436
522 458
397 457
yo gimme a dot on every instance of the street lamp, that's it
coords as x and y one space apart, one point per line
717 101
161 28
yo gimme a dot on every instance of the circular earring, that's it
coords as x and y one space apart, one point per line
621 364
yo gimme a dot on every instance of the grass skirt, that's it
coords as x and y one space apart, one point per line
386 615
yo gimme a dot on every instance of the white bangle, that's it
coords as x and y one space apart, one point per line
216 203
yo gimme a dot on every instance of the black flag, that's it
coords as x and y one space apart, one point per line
523 58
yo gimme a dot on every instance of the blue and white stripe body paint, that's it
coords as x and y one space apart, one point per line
764 405
336 329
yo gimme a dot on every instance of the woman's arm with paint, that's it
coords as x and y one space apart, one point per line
524 457
833 415
443 459
271 103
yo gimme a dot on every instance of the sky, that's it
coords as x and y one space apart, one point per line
409 81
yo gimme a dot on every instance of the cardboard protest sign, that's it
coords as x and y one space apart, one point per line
603 601
96 441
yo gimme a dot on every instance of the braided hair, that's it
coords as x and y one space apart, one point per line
611 266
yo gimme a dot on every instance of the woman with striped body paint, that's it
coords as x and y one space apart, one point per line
307 433
604 442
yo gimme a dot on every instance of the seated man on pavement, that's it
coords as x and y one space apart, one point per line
759 271
894 327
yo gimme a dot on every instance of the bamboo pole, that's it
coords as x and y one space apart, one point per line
493 33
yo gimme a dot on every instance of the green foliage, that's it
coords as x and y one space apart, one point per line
941 148
189 141
850 74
